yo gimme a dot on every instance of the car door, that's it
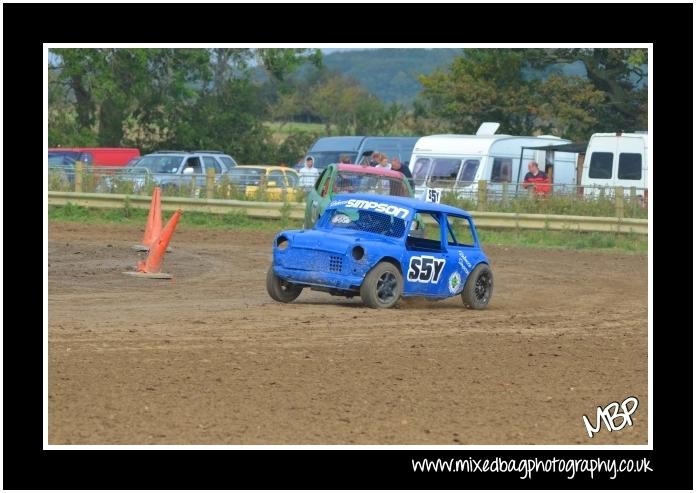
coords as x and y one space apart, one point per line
197 175
463 253
276 185
291 180
209 162
425 261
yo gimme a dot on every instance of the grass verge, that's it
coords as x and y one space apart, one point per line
571 240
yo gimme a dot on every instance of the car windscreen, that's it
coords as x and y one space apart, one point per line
241 175
323 158
354 182
159 164
371 221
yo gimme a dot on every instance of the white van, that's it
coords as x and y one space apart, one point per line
457 162
616 160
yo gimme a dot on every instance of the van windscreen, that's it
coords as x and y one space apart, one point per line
323 158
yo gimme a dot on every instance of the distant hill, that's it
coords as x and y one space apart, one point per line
391 73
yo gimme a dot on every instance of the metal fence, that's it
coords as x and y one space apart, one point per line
277 210
250 186
546 198
555 199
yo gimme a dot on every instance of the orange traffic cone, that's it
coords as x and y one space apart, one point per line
153 228
150 268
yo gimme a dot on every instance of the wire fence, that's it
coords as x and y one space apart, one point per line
252 185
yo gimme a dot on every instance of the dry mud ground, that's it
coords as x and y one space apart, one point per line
209 358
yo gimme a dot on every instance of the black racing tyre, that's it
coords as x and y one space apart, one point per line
279 289
382 286
478 288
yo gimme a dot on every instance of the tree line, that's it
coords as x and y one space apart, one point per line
213 98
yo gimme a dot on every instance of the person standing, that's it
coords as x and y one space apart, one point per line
536 179
308 174
397 166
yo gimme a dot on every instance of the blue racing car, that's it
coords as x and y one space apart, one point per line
383 248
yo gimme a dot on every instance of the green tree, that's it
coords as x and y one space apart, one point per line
496 85
178 97
619 73
294 147
483 85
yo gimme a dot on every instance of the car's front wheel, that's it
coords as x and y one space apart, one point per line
280 289
382 286
478 288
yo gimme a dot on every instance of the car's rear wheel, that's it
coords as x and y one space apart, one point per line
478 288
382 286
280 289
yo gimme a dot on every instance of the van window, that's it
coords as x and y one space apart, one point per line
601 164
630 166
421 168
445 170
502 170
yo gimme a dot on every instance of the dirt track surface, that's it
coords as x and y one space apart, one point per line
210 359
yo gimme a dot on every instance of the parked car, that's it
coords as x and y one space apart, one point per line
276 182
351 178
363 245
100 156
172 169
61 168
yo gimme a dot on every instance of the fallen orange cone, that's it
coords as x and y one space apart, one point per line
150 268
153 228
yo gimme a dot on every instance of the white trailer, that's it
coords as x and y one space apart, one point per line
457 162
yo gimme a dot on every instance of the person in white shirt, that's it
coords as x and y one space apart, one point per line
308 174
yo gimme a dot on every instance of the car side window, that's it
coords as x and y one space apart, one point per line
211 162
426 235
277 177
459 232
195 163
319 182
292 179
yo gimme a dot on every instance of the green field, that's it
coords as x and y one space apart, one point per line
573 240
281 130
